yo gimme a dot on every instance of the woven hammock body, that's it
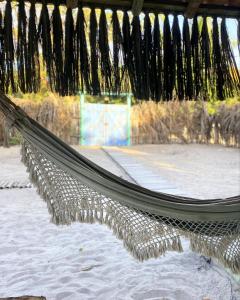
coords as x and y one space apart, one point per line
149 223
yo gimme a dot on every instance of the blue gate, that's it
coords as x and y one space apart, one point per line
105 124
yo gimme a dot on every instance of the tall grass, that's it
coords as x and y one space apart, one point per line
186 122
59 115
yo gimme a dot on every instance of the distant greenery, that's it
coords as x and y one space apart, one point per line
213 105
106 99
15 139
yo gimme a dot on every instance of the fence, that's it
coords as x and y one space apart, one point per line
151 123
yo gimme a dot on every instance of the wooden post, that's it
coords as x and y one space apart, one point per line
137 6
192 8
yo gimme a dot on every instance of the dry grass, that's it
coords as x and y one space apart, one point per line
185 122
59 115
152 123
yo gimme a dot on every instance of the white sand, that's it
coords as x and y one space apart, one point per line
201 171
82 261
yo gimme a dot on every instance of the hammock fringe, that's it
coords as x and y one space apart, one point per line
91 211
95 213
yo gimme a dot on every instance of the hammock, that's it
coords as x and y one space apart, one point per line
148 222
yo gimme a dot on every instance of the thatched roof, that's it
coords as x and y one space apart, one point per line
228 8
154 58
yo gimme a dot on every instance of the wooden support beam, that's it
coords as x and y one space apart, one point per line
137 6
192 8
71 3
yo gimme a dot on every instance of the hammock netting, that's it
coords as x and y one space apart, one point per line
149 223
155 56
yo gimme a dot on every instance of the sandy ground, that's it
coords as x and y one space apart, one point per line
201 171
84 261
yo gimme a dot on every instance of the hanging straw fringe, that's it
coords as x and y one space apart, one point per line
58 50
230 69
83 69
156 63
70 83
33 65
137 58
187 54
147 55
205 59
217 61
184 63
127 51
95 84
177 48
104 50
196 58
168 62
117 54
44 33
22 53
9 50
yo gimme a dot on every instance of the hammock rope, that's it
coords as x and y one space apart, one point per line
149 223
116 53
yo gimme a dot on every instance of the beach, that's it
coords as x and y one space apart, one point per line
85 261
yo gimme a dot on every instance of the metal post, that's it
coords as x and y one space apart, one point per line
129 98
82 98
